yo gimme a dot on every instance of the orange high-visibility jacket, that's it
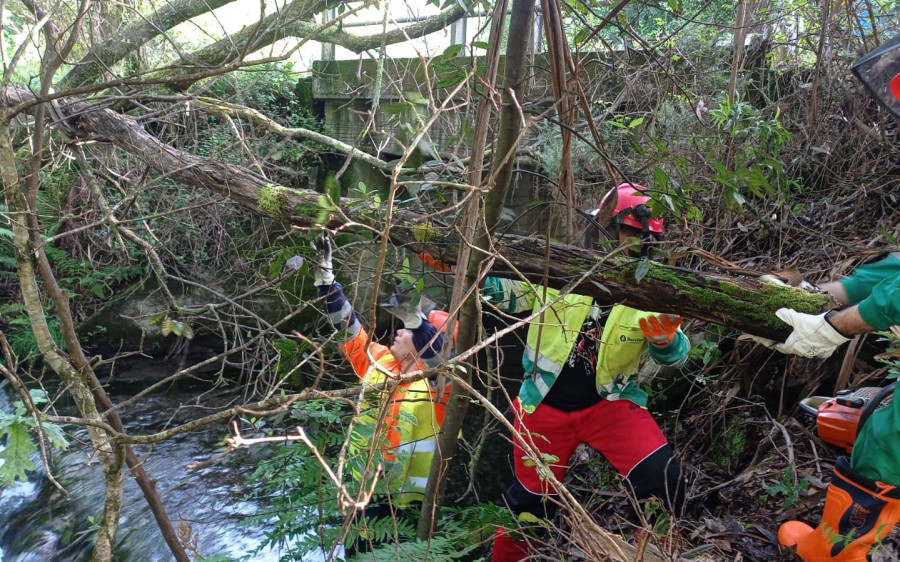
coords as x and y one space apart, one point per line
412 420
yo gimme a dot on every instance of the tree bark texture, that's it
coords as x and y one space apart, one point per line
74 370
127 40
292 20
74 379
498 183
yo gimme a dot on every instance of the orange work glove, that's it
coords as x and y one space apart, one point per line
660 329
434 263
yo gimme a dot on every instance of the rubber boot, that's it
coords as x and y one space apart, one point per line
859 512
508 549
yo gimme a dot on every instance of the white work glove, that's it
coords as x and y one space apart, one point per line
813 335
400 305
320 265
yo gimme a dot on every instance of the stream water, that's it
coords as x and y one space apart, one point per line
38 522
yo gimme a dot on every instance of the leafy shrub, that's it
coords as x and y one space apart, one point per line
273 90
20 335
787 488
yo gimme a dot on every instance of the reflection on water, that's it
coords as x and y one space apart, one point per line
36 519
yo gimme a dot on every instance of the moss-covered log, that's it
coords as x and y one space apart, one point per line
742 304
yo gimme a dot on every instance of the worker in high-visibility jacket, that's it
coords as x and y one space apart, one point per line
415 410
580 385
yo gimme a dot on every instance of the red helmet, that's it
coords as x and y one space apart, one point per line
629 198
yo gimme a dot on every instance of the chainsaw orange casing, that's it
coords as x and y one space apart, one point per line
837 419
837 423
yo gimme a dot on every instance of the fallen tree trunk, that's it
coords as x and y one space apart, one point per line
742 304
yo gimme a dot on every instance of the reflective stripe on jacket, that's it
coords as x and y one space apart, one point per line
554 333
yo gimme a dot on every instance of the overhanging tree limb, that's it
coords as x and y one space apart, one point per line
225 109
738 303
360 43
290 22
277 27
125 41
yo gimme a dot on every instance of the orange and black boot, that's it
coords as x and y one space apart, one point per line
859 513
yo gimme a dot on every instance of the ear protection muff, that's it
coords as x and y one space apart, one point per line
641 213
593 232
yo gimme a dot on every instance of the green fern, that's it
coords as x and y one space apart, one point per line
462 532
382 530
439 548
19 428
303 514
302 517
21 336
19 333
83 277
11 308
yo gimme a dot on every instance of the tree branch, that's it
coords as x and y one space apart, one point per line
294 21
124 42
741 304
224 109
360 43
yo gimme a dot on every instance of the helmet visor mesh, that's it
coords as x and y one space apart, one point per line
878 69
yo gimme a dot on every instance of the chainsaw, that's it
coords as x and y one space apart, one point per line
839 418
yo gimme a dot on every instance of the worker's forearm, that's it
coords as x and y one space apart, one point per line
848 322
836 289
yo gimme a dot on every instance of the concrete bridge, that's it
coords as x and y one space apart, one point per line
411 94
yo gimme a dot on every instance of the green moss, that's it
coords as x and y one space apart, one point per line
307 210
273 200
424 232
304 92
730 442
756 303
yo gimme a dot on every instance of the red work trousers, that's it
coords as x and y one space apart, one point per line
621 430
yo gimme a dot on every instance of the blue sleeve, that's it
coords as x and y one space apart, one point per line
338 309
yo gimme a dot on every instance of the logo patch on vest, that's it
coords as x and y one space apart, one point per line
625 339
